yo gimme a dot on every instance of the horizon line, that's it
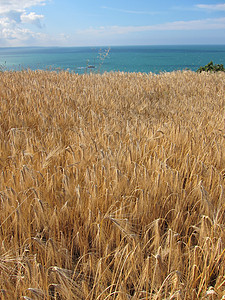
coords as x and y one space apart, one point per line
128 45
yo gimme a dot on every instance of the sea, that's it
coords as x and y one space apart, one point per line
145 59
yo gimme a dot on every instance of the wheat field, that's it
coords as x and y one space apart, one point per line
112 185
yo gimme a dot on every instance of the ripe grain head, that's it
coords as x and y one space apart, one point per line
112 185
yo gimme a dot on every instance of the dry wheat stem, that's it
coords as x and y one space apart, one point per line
112 185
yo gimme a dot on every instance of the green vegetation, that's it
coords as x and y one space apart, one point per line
210 67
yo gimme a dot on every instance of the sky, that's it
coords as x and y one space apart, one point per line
109 23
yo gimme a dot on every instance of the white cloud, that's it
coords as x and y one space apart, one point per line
18 34
136 12
218 7
18 5
206 24
32 18
13 15
14 21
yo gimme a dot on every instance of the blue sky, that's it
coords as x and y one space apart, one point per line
108 23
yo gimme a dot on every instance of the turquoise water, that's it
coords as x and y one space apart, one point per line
146 59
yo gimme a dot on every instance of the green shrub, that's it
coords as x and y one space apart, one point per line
210 67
